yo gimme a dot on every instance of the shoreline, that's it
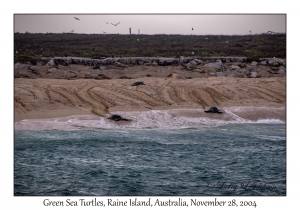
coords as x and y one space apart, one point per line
153 119
43 115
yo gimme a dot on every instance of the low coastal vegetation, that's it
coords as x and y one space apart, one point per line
31 47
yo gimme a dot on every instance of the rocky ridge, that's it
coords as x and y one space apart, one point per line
191 67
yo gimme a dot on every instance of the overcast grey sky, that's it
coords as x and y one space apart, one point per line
151 23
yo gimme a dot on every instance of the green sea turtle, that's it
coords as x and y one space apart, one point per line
116 117
214 109
138 83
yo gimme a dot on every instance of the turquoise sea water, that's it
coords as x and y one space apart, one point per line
227 159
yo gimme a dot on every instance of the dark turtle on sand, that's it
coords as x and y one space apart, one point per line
116 117
138 83
214 109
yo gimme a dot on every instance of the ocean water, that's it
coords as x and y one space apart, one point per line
168 155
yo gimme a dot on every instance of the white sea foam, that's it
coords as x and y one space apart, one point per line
237 118
270 121
158 119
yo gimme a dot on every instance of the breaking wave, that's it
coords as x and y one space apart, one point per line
159 119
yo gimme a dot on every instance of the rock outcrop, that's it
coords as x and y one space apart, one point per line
201 67
160 61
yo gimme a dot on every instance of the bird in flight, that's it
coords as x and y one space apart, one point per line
115 24
76 18
250 31
192 28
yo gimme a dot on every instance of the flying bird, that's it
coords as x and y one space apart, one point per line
192 28
250 31
76 18
106 22
115 24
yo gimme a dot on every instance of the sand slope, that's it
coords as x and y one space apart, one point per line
47 98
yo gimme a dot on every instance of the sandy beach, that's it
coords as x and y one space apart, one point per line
52 98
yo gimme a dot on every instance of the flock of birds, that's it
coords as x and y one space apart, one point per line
115 25
119 23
